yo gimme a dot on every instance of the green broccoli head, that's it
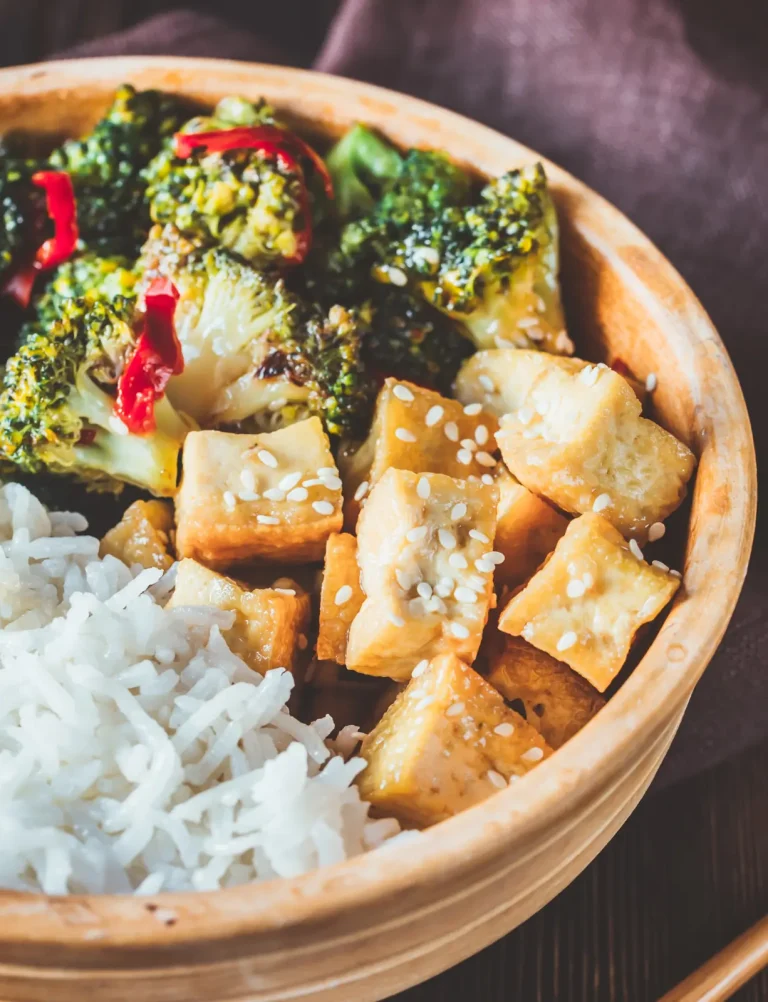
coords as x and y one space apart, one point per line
57 407
87 276
243 200
106 167
23 217
361 164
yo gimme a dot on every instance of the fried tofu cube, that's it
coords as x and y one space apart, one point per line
527 531
419 430
340 597
270 623
142 536
273 497
426 558
500 379
557 701
447 742
588 601
575 435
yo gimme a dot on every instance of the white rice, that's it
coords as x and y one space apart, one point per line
137 753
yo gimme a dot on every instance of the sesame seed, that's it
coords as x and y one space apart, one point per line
323 507
481 434
267 519
459 630
313 482
496 557
444 587
327 471
651 382
424 703
362 490
424 590
601 502
458 560
476 582
479 536
676 574
423 489
289 481
589 375
397 276
447 539
587 579
416 534
497 779
434 414
248 480
485 459
404 435
575 588
484 565
267 458
396 620
332 483
656 531
533 755
660 564
248 495
567 640
420 668
635 550
472 410
436 604
487 479
464 456
451 430
274 494
525 415
403 393
486 382
343 595
468 443
504 730
463 594
229 500
298 494
458 511
455 709
285 591
403 579
303 642
563 343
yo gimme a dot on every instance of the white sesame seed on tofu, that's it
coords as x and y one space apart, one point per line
289 481
464 456
403 393
468 443
323 507
487 479
504 730
459 630
575 588
533 755
433 415
267 519
656 531
486 382
343 595
248 479
420 668
451 430
635 550
567 640
446 539
485 459
266 457
481 434
496 557
472 410
463 594
458 560
458 511
424 590
416 534
396 620
497 779
484 565
332 483
274 494
660 564
362 490
298 494
229 500
676 574
404 435
423 489
601 502
651 382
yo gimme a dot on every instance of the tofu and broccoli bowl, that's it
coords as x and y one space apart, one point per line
368 540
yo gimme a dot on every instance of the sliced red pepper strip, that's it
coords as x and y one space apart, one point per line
62 209
156 358
268 138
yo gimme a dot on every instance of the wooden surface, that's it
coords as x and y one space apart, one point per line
686 874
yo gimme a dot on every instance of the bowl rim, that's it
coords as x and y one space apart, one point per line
660 684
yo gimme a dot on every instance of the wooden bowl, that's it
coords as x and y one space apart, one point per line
379 923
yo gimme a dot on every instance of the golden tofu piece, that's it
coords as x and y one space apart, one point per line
419 430
527 531
557 701
588 601
270 623
423 548
273 497
142 536
340 597
500 379
576 437
446 743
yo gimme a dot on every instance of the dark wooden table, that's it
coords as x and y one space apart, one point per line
689 870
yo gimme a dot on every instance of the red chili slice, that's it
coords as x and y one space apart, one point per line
156 358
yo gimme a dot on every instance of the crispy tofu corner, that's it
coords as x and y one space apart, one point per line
447 742
270 624
587 602
275 496
142 536
422 431
558 702
340 597
426 561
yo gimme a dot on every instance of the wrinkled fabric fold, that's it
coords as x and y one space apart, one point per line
660 105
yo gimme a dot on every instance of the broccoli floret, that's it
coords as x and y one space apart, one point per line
106 167
361 163
87 276
57 407
410 340
243 200
23 219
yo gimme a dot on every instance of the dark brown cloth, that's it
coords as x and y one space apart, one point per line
658 104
